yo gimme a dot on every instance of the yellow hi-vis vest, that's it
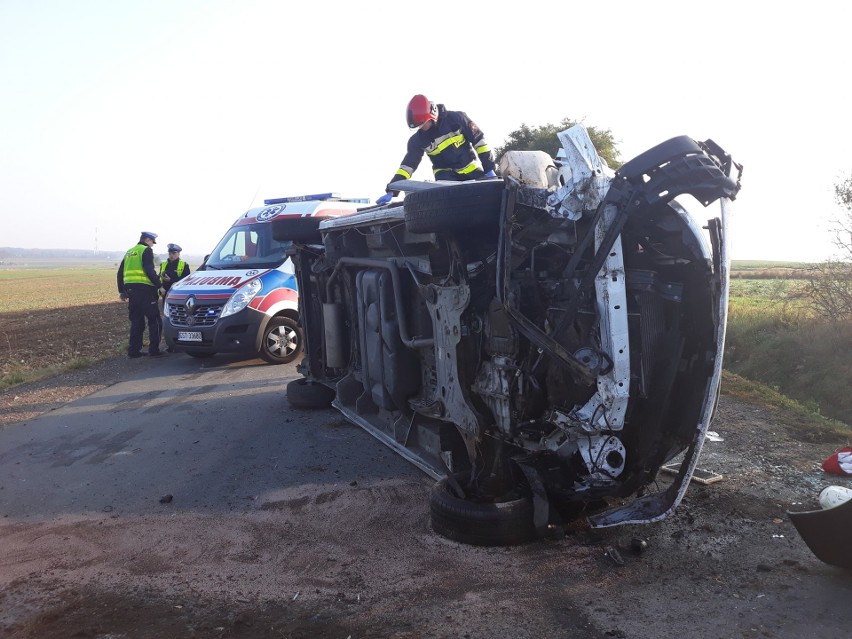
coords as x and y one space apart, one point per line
133 271
165 263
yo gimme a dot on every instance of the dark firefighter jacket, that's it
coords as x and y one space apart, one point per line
452 144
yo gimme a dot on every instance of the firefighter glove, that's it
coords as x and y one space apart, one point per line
490 174
384 199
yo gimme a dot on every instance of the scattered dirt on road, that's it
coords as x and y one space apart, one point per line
356 561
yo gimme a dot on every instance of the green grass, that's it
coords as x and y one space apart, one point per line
777 273
22 374
759 265
57 320
40 289
762 395
774 341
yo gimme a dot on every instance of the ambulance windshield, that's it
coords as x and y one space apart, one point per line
248 246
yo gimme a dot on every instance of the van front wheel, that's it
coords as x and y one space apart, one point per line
282 341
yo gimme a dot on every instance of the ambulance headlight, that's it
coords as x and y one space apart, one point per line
241 298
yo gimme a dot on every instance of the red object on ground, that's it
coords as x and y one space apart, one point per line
839 462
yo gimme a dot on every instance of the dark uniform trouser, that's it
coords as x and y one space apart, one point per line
141 307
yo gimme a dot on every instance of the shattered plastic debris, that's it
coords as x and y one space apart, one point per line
638 545
713 436
832 496
613 554
699 475
839 462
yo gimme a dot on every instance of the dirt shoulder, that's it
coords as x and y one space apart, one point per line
41 340
26 401
360 560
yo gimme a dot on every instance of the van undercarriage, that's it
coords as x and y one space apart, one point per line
540 349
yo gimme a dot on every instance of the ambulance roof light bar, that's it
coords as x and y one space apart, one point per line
314 197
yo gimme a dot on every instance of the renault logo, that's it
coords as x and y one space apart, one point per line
190 310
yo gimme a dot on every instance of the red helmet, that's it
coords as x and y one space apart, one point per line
420 110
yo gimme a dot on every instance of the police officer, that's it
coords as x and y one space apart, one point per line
450 139
138 283
173 269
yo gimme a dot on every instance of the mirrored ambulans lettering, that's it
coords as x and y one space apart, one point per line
211 281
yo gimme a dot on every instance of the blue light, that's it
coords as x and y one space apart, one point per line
301 198
315 197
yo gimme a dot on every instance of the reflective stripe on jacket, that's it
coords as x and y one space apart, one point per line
452 144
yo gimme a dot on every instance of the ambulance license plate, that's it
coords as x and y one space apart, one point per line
189 336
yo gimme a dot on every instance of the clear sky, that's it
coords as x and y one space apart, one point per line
176 116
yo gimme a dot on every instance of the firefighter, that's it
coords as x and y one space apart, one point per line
452 141
138 284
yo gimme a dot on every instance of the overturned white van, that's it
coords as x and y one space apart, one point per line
541 344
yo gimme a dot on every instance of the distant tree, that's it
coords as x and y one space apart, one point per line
543 138
828 286
843 225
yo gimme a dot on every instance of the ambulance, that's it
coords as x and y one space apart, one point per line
244 297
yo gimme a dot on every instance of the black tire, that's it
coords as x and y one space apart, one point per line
304 230
282 341
199 354
302 393
498 523
455 207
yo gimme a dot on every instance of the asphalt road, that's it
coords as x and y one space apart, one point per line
211 433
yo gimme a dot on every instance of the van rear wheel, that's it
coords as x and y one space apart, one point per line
282 341
455 207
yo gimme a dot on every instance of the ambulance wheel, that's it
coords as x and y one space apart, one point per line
302 393
199 354
304 230
282 341
454 207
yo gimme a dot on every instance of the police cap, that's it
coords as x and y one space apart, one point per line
153 236
174 248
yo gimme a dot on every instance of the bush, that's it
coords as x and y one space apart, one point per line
828 287
827 290
803 357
